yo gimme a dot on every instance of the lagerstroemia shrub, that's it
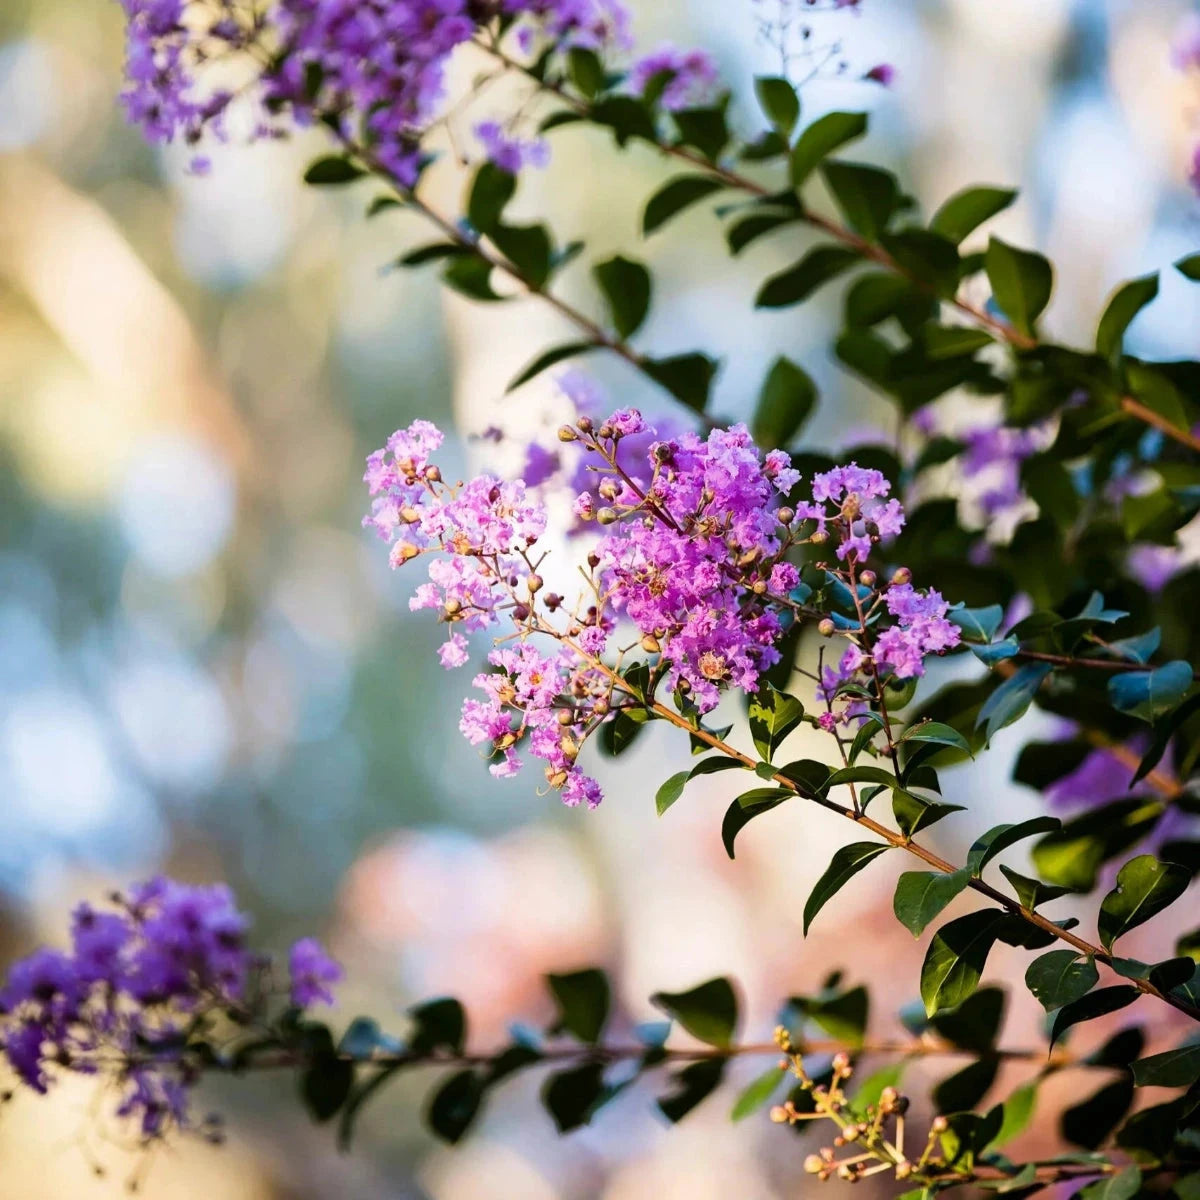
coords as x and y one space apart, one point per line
723 563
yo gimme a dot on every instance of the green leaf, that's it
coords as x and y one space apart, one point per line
825 135
757 1093
626 286
673 788
1174 1068
548 359
1072 856
1022 282
867 196
692 1085
1189 267
528 248
471 276
707 129
922 895
966 1088
779 102
688 377
1018 1113
846 863
914 813
455 1105
1124 1185
1095 1004
572 1096
786 401
938 734
965 211
438 1025
1032 892
977 624
1090 1123
956 958
491 191
842 1015
739 815
1127 301
1145 887
708 1012
586 71
749 229
773 715
1010 700
1000 837
619 734
975 1024
798 282
583 1002
325 1084
674 196
331 170
432 253
1149 694
1060 977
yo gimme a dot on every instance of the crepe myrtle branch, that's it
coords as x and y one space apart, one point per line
872 252
927 856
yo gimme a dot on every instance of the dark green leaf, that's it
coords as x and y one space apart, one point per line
1021 280
779 102
1126 303
975 1024
1095 1004
1018 1114
914 813
867 196
773 715
956 958
708 1012
438 1025
471 276
549 359
433 253
965 211
1149 694
1010 700
822 138
491 191
693 1084
325 1084
977 624
333 169
1072 856
922 895
1145 887
938 734
966 1088
798 282
845 864
1060 977
455 1105
1090 1123
688 377
572 1096
676 195
1000 837
1174 1068
739 815
583 1002
1032 892
786 401
1189 266
626 286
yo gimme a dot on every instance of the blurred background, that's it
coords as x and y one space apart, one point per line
206 667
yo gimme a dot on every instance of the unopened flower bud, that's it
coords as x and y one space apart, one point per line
593 559
826 627
819 537
841 1062
565 716
569 747
901 576
534 583
452 607
410 515
814 1164
903 1169
584 424
433 474
785 515
867 578
852 506
600 707
650 644
778 1114
554 778
940 1125
567 434
520 613
605 430
759 587
403 551
607 516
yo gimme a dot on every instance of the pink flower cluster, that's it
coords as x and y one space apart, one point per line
861 515
164 959
688 77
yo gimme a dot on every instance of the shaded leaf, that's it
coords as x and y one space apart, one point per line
627 287
1145 887
922 895
676 195
708 1012
965 211
1021 280
845 864
786 401
1060 977
825 135
583 1002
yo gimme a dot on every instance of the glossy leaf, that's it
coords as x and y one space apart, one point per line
332 170
922 895
799 281
1095 1004
1144 888
1149 694
779 102
820 139
1060 977
545 361
965 211
708 1012
757 1093
455 1105
956 958
627 287
845 864
867 196
1010 700
773 715
1126 303
1173 1068
1000 837
1021 280
786 401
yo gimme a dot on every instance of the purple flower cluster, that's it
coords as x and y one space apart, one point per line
1185 56
373 68
511 153
688 77
163 960
696 556
859 513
